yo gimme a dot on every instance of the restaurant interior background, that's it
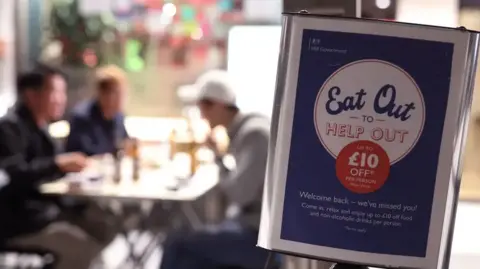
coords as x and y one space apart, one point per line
164 45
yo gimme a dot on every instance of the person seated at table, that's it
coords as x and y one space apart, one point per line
29 158
232 244
97 126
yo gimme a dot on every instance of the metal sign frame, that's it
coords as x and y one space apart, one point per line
447 183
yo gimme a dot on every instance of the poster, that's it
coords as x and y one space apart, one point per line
367 131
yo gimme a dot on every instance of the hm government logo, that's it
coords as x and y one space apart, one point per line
314 44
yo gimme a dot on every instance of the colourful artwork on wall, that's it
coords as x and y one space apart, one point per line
187 13
133 60
225 5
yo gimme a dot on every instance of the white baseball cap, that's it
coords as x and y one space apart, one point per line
214 85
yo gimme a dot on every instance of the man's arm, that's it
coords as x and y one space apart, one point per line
78 139
15 164
243 185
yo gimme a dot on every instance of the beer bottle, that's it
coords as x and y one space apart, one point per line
135 150
118 155
172 141
192 148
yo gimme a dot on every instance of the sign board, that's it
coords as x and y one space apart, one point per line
268 11
368 126
254 81
94 7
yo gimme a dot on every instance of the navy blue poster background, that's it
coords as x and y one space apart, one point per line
411 181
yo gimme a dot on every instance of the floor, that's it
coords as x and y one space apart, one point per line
114 255
466 243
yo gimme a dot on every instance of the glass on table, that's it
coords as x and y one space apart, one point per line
131 146
100 167
74 182
185 140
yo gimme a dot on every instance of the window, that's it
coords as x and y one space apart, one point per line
160 44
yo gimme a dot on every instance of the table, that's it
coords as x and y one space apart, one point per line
155 184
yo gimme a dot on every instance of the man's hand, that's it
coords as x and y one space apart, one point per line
211 143
71 162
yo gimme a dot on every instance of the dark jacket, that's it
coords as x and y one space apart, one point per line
27 155
91 133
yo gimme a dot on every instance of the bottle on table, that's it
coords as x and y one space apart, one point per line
192 148
135 154
172 141
118 155
183 146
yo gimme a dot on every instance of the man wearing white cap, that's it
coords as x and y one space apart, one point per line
232 244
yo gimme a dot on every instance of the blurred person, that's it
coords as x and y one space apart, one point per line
29 158
232 244
97 126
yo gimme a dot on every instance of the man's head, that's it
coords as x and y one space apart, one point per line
216 98
111 90
44 92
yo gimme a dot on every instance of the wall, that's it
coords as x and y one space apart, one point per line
349 6
22 56
35 25
470 18
153 91
433 12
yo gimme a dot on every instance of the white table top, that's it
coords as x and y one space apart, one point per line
154 184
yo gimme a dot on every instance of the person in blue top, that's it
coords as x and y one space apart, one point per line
97 126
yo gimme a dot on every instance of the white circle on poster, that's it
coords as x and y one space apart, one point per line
370 100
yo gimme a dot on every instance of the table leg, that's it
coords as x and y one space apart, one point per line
138 260
191 216
131 249
150 248
132 243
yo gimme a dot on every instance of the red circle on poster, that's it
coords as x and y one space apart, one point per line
362 166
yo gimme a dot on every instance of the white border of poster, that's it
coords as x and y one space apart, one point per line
444 187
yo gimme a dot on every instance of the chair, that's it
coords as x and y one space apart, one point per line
235 267
11 257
